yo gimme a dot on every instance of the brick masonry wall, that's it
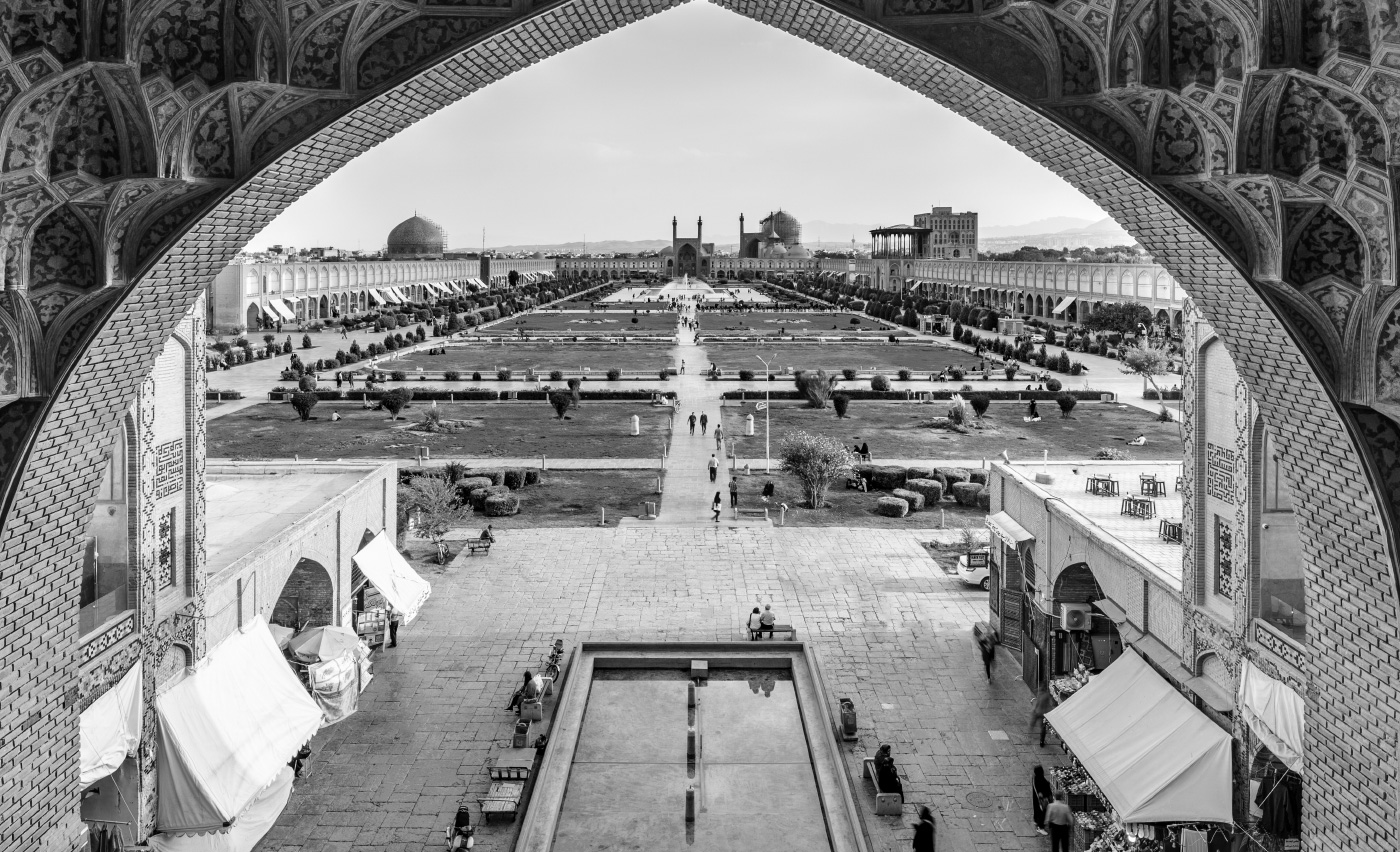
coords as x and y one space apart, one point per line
1351 806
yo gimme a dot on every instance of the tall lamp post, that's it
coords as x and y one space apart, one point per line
767 383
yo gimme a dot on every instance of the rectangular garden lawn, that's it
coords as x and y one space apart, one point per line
834 357
613 323
487 358
773 324
899 430
845 507
594 430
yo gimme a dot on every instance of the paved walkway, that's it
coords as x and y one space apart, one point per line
890 629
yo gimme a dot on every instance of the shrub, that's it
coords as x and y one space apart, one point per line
503 374
905 375
1111 454
556 375
848 374
500 505
306 341
532 476
398 376
841 402
952 476
467 484
614 374
965 493
395 400
879 382
479 495
891 507
919 472
493 475
451 376
306 382
665 374
476 377
815 387
1076 368
913 498
1063 363
303 402
980 402
984 499
1053 385
746 375
560 402
956 374
514 478
957 330
967 336
815 460
931 490
1066 402
888 477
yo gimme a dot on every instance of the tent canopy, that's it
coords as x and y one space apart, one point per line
111 728
323 643
391 574
1155 756
1064 303
1004 527
227 731
255 821
1274 713
282 308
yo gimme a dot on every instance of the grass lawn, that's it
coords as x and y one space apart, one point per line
486 358
893 430
613 323
878 355
769 323
595 430
847 508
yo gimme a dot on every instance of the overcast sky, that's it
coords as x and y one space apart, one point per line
695 111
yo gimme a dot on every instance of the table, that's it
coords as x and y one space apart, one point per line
1170 530
1150 486
1101 486
1139 507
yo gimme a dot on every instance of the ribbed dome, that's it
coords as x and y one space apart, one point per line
785 225
799 252
773 249
666 252
417 236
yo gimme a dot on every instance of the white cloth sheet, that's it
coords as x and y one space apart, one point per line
110 728
385 567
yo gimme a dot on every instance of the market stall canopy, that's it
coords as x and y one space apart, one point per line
1064 303
1274 713
375 297
110 728
391 574
282 308
1004 527
248 829
1155 756
323 643
227 731
281 635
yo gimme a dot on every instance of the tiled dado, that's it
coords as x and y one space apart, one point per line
116 632
1287 651
102 660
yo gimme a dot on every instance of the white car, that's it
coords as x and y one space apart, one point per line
972 569
1037 338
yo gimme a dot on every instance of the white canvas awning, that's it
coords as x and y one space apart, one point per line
1155 756
110 728
260 815
282 308
1064 303
270 312
376 297
402 294
227 731
1004 527
391 574
1274 713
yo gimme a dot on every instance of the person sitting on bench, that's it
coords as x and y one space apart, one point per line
487 535
755 624
531 689
767 491
886 777
768 619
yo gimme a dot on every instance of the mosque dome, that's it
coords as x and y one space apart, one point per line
539 255
773 249
785 225
666 252
799 251
417 237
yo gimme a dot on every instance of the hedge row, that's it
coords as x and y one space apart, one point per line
899 395
474 394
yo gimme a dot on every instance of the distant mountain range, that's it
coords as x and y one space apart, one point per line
1054 232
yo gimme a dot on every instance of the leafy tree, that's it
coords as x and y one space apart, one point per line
1123 319
816 387
980 403
306 341
434 501
394 401
879 382
513 278
1066 402
561 402
841 402
1146 361
303 402
815 460
306 382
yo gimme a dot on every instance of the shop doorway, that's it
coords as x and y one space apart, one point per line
307 598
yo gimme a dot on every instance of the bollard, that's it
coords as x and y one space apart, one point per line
427 453
782 514
748 425
747 472
636 425
691 700
602 516
658 485
542 465
690 804
690 743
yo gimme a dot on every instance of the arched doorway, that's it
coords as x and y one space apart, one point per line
254 315
307 598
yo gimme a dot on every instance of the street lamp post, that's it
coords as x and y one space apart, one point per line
767 383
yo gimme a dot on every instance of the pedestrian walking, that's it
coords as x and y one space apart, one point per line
989 651
350 377
733 492
1043 704
925 831
682 366
704 423
714 467
338 379
719 437
717 505
692 423
1041 796
394 618
1059 818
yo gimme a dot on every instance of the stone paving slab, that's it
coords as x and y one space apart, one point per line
890 629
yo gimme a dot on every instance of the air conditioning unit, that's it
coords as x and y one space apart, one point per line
1076 616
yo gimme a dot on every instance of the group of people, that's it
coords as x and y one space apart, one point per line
761 622
717 505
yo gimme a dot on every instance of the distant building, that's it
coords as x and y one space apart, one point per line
417 238
779 237
939 234
688 255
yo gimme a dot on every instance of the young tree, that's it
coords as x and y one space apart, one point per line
1123 319
1146 361
980 403
1066 402
816 460
561 402
394 401
840 402
306 341
434 501
816 387
303 402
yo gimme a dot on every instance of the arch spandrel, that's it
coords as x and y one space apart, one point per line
1138 105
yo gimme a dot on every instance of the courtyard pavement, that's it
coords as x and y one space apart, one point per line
891 631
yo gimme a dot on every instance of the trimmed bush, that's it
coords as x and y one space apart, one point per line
556 375
478 495
1053 385
476 377
905 375
848 374
1067 402
501 506
398 376
532 476
913 498
746 375
879 383
614 374
984 499
931 490
888 477
952 476
977 476
841 402
514 478
497 477
891 507
467 484
966 493
451 376
503 374
917 472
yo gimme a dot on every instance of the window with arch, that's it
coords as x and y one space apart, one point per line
106 590
1282 580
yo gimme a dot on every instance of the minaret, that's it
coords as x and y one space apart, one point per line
673 229
700 230
740 252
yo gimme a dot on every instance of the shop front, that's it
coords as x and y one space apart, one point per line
1010 577
1274 716
384 579
109 734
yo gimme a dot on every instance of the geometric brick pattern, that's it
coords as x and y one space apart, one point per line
1249 158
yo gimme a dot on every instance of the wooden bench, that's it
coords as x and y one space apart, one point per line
478 545
503 799
777 628
760 512
886 804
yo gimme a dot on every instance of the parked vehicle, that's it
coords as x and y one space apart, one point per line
973 569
